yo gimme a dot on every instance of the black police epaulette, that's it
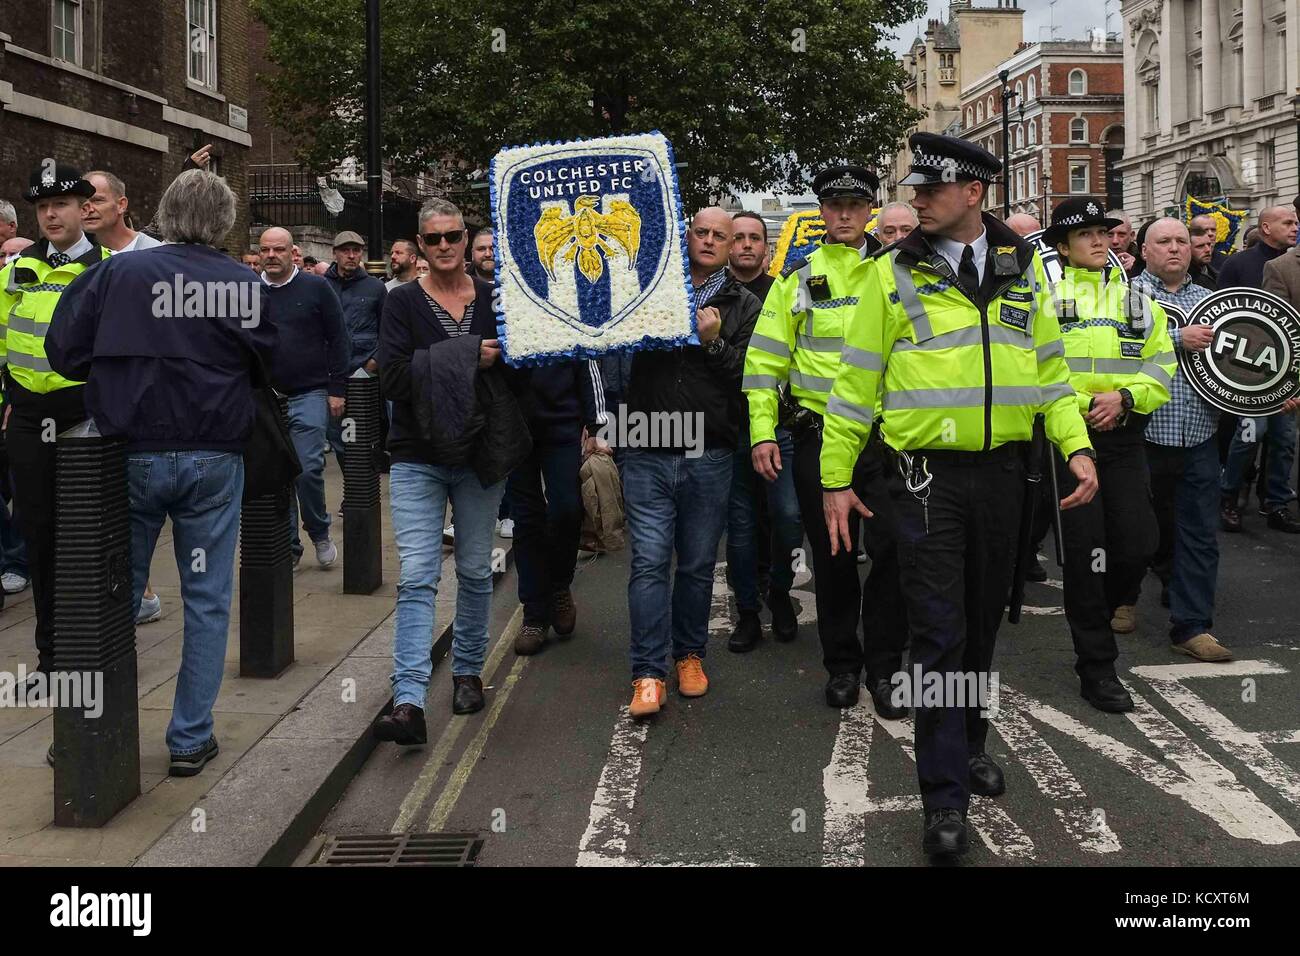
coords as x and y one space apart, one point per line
792 267
885 250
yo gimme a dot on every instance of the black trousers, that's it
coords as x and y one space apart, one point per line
546 504
29 439
956 575
1108 544
841 598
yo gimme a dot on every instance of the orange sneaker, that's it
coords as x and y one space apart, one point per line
648 695
691 681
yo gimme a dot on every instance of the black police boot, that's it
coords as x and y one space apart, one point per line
1282 519
1107 694
745 635
842 690
467 697
404 726
785 623
945 833
986 777
882 695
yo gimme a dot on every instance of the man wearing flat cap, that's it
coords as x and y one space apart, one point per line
42 402
362 296
952 351
792 360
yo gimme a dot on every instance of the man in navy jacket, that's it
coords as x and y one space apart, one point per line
362 297
163 339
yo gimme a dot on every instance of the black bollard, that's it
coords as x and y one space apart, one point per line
363 569
266 582
97 720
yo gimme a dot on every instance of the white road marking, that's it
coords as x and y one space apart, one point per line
1153 672
1082 819
845 783
604 843
1246 746
1203 784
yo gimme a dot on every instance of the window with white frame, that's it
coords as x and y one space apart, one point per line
1020 92
1078 177
65 31
1031 132
990 105
970 117
1033 179
1033 87
1020 137
1020 184
979 112
202 42
1078 130
1078 83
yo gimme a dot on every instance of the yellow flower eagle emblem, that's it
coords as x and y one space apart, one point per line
590 233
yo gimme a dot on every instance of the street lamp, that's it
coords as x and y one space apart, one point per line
1008 95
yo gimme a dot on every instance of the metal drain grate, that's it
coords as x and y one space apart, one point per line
401 849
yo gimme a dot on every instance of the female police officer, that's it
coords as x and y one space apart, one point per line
1121 365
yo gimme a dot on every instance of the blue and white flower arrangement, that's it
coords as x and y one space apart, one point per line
591 249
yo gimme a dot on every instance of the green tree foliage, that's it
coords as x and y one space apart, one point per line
753 95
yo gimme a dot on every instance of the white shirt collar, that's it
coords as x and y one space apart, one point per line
82 246
952 250
275 285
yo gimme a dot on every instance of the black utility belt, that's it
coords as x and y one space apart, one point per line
1014 450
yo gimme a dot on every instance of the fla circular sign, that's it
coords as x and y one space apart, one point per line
1252 364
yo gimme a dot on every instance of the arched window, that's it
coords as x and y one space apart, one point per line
991 104
970 117
979 112
1078 83
1033 87
1078 130
1031 132
1020 92
1020 137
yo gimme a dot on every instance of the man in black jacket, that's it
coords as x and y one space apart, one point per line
362 298
676 484
176 385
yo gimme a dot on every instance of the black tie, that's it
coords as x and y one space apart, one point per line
967 273
59 258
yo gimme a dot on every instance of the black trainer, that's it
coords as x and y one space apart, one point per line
746 633
785 623
986 776
187 765
467 696
945 833
404 726
1281 519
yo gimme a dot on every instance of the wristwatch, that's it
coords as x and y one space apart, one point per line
1126 398
714 347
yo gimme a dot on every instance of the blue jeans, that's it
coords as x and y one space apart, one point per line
201 492
1184 486
419 495
308 417
1279 429
672 503
13 549
783 509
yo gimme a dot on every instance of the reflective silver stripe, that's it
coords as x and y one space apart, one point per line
859 413
1052 392
1158 373
34 362
934 398
25 323
972 335
813 383
770 345
861 358
911 302
1079 364
1018 394
819 343
1120 366
1051 350
760 381
1164 358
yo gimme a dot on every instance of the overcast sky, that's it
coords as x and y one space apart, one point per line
1073 18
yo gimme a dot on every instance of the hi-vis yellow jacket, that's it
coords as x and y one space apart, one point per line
1115 337
800 333
29 290
946 372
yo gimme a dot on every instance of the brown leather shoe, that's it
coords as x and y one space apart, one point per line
530 639
564 616
1125 619
1204 648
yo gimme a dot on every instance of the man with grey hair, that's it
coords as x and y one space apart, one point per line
177 387
8 221
895 221
104 215
1121 240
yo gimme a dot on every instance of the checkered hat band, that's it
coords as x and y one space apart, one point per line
66 185
961 167
1072 220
